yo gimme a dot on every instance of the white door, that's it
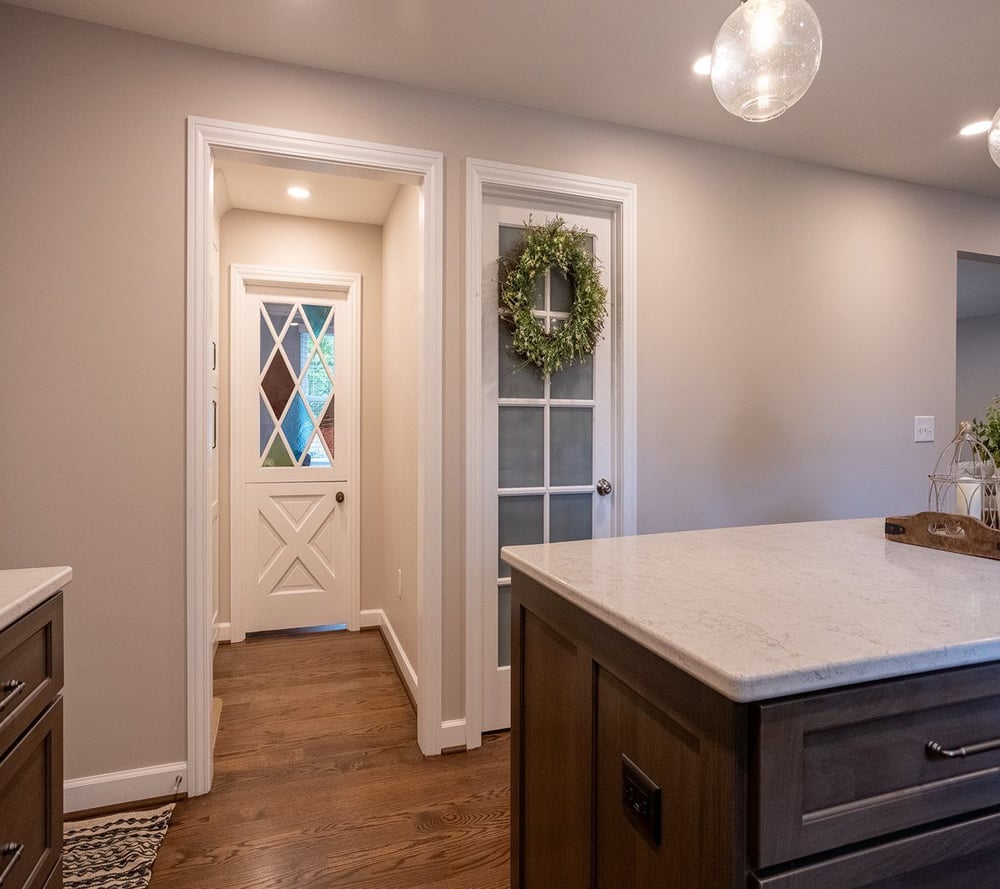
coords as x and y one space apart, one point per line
548 440
292 448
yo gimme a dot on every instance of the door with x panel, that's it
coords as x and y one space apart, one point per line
548 439
295 394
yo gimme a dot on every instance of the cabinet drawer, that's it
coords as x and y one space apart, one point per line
31 817
959 856
31 668
851 765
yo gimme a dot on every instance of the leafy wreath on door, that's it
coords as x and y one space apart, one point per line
563 249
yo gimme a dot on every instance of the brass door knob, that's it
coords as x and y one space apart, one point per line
340 496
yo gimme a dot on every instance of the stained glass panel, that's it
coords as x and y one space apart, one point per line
266 341
298 427
317 385
278 313
278 454
317 316
296 342
277 384
317 455
326 427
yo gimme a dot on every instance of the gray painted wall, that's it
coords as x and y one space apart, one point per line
792 320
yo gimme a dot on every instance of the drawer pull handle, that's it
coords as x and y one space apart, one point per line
935 749
11 688
14 850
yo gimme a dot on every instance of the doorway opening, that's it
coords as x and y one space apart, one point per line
311 282
977 335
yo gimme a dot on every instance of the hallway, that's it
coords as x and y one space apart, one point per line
319 781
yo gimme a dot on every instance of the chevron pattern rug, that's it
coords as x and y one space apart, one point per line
115 851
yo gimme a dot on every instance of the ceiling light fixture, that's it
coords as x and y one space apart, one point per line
297 191
703 65
974 129
765 57
994 138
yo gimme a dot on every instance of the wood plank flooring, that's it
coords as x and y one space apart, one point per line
319 782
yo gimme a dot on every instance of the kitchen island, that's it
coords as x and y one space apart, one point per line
792 706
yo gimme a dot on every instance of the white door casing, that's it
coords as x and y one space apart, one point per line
421 167
504 194
295 558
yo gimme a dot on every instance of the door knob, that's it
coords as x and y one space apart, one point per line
604 487
340 496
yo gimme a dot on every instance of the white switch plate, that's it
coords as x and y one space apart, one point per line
923 429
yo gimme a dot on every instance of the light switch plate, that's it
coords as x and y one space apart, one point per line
923 429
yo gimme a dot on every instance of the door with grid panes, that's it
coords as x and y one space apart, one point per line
548 439
295 392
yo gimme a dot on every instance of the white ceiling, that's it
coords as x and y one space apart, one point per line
898 78
264 188
978 288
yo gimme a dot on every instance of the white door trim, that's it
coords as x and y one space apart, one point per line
204 137
484 178
240 277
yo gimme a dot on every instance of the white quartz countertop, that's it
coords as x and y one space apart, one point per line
21 589
772 610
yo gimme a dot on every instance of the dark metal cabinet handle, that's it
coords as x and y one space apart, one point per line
935 749
14 850
215 424
11 688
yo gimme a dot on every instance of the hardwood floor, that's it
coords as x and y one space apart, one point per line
319 781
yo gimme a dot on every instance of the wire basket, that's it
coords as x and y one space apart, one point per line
965 480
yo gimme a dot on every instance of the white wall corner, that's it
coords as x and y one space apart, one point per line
121 788
376 617
223 631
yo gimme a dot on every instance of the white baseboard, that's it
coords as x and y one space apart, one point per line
453 733
224 631
376 617
113 788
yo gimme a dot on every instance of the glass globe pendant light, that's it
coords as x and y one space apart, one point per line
765 57
994 139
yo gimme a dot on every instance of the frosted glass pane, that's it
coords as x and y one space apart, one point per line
510 235
575 381
517 379
503 626
571 517
520 445
519 521
571 461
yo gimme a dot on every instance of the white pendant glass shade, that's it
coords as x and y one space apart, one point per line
994 139
765 57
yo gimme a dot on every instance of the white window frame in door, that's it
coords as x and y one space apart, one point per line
574 192
425 169
241 277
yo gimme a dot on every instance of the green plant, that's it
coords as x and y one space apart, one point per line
988 430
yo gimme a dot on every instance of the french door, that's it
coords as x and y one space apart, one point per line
294 494
548 439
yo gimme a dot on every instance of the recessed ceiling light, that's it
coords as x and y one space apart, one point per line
703 65
975 129
297 191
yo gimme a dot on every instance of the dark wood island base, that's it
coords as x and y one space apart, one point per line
627 772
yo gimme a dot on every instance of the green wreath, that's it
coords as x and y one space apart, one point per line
563 249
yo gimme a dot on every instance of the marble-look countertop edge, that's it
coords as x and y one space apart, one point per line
767 686
22 589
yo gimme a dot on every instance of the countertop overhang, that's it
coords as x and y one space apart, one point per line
772 610
21 589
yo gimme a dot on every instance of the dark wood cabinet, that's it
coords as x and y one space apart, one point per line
830 790
31 754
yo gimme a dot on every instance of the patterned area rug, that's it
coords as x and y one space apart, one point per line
115 851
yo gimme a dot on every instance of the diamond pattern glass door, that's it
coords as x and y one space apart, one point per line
296 385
